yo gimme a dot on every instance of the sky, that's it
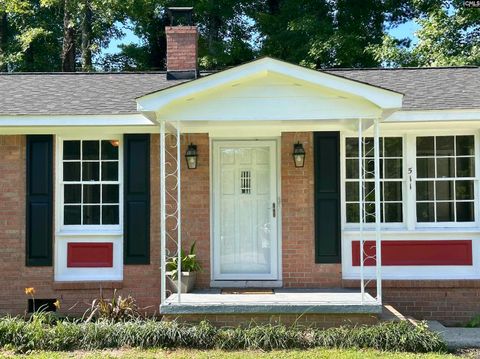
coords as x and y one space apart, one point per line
402 31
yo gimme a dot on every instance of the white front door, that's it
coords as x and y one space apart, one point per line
245 211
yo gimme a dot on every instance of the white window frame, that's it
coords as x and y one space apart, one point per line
412 143
354 226
409 182
65 234
88 228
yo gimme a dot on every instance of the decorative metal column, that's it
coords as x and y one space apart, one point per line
366 214
378 219
170 203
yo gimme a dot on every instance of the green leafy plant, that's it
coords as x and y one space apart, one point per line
189 262
116 309
40 333
474 322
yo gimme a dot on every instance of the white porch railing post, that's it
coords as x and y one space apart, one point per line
361 209
378 239
179 215
163 218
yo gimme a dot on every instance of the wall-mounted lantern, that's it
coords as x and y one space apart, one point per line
191 156
298 154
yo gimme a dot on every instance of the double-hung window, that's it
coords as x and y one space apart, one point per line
391 179
445 177
91 183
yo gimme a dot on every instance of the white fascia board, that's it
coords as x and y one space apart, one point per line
382 98
435 115
74 120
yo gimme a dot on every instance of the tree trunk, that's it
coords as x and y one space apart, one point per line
68 50
3 40
87 36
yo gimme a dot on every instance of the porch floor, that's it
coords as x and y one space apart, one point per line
282 301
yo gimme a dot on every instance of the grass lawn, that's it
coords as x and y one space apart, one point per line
218 354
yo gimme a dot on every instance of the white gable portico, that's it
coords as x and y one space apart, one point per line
255 101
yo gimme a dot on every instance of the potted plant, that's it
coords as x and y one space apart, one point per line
189 267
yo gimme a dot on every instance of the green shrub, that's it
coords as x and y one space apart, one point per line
474 322
40 332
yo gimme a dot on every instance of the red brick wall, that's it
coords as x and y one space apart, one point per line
182 47
142 281
298 239
196 205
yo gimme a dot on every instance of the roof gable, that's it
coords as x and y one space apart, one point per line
268 68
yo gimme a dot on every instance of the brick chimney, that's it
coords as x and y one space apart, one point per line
182 45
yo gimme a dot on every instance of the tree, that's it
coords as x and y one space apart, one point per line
326 33
449 35
68 48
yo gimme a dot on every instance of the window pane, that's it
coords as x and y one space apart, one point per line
393 147
465 145
369 188
425 146
393 168
351 191
393 212
110 215
71 150
90 171
72 193
91 193
369 165
110 150
369 212
110 193
425 168
351 147
109 171
445 146
90 150
445 167
71 171
353 212
91 214
425 191
71 215
392 191
445 212
444 190
351 168
425 212
465 167
464 190
465 212
368 147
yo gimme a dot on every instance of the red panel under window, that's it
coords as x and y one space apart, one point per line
416 253
87 255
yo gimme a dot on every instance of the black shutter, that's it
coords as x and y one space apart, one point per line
327 197
39 204
137 199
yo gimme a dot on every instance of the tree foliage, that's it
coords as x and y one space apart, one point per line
448 35
68 35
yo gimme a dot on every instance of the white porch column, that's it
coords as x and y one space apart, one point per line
378 239
179 215
361 213
163 217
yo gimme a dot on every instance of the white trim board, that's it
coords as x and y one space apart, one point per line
136 119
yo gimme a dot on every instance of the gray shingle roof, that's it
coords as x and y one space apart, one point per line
115 93
425 88
63 93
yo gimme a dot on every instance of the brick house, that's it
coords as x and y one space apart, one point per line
95 191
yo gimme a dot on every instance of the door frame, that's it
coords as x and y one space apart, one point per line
275 280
